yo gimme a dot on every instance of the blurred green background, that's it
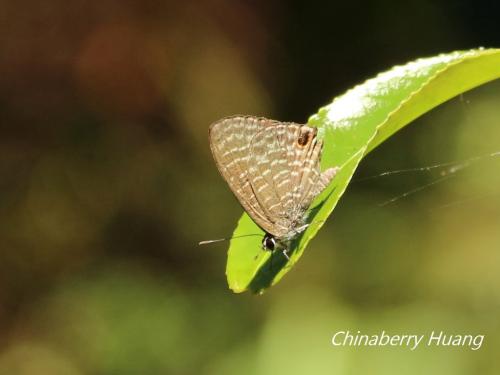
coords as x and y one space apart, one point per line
107 184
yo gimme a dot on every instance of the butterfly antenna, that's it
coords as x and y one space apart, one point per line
226 239
212 241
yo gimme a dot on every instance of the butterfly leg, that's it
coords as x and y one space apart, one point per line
301 228
285 253
304 227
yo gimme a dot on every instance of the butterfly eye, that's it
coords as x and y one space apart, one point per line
304 138
268 243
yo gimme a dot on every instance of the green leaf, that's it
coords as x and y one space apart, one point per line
351 126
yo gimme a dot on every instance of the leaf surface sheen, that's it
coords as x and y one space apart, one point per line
351 126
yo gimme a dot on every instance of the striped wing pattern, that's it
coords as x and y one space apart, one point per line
272 167
230 144
285 173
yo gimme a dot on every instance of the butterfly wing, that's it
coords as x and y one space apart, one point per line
311 180
230 140
270 168
284 169
273 168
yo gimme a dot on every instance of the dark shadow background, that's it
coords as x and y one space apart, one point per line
107 184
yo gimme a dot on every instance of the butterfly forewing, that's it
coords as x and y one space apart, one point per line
274 172
230 140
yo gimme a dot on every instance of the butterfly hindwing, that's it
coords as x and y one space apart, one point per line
285 166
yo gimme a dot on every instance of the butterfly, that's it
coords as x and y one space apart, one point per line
273 169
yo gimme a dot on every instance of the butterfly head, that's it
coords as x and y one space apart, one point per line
269 242
272 243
